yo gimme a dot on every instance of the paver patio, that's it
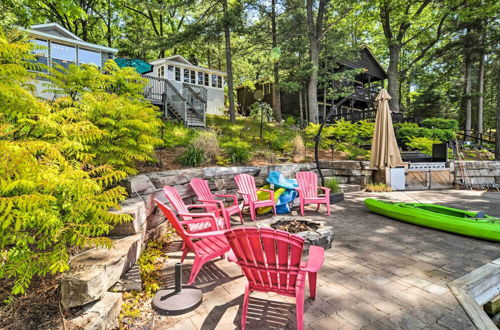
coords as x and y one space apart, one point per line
379 274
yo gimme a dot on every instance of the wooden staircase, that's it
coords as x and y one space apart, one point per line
187 107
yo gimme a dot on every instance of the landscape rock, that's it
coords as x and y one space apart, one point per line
94 271
136 208
157 231
130 281
139 184
175 177
229 172
100 315
154 219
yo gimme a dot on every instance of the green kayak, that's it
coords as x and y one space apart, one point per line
473 224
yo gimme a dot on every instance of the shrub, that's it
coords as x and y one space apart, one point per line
333 185
276 141
178 135
407 133
441 123
297 147
238 151
423 144
207 141
55 196
378 187
191 157
259 109
290 122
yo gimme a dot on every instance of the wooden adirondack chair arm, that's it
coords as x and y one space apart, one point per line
271 193
235 199
203 220
326 190
213 201
316 258
208 234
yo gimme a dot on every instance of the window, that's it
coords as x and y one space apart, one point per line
177 74
193 77
219 81
214 80
200 78
62 55
186 76
207 79
41 53
170 72
161 71
89 57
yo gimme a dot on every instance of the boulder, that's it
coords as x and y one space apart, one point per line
175 177
157 231
154 219
138 185
135 207
130 281
94 271
229 172
346 188
100 315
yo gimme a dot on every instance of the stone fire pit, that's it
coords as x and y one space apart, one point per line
314 232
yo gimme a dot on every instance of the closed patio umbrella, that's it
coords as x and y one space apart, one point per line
385 151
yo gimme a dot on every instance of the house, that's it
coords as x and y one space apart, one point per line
62 47
185 91
362 87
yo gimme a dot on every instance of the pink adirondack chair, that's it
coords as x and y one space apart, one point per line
271 261
210 217
205 196
308 191
208 245
248 190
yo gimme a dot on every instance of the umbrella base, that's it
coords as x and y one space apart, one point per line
170 302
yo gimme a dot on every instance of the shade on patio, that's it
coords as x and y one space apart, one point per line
385 151
140 66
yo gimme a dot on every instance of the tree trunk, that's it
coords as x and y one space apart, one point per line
480 98
108 25
229 65
301 119
497 133
276 84
312 87
393 76
468 99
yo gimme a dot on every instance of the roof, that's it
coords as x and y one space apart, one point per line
367 61
56 32
184 63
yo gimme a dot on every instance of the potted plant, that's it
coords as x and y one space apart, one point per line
336 194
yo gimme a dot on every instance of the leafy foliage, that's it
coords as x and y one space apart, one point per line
423 144
440 123
332 184
407 133
62 160
238 151
192 156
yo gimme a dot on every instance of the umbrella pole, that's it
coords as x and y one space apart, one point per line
317 138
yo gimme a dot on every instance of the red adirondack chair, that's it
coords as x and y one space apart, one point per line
271 261
208 245
205 196
308 191
248 190
210 218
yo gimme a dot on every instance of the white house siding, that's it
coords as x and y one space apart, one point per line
215 95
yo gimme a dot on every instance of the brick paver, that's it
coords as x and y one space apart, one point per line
380 274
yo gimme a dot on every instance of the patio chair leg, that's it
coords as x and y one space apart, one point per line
241 216
252 213
244 308
299 297
197 264
301 208
274 209
185 251
328 207
317 207
312 284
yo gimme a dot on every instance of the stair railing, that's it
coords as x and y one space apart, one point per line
196 99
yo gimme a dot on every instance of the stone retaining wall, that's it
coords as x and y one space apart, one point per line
479 174
95 271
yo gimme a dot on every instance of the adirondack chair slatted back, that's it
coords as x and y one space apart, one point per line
201 189
269 258
174 221
246 184
308 182
175 199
